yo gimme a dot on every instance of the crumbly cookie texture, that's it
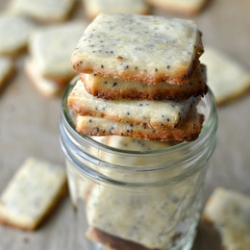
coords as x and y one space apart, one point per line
148 49
109 88
14 32
94 7
7 69
228 211
46 11
154 114
183 7
32 193
50 49
227 78
95 126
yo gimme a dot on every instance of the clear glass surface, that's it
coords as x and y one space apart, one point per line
144 199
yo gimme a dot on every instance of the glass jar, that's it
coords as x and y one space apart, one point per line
137 199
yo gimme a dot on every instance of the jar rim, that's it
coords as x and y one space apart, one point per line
210 125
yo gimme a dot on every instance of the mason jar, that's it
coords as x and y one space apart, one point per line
135 194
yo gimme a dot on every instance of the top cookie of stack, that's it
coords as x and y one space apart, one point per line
147 72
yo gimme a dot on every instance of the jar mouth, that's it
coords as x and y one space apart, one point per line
207 107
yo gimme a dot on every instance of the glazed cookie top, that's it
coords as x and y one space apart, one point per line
148 49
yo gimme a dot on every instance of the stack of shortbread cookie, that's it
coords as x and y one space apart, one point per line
140 77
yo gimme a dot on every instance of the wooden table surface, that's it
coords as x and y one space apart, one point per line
29 127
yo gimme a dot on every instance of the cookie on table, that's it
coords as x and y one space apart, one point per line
148 49
182 7
32 193
227 78
109 88
46 87
50 48
229 212
94 7
7 69
48 65
154 114
14 33
46 11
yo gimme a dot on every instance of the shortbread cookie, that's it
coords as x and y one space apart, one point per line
132 150
154 114
6 69
14 32
133 215
46 87
46 11
113 242
132 144
229 212
94 7
109 88
227 78
183 7
50 49
95 126
148 49
32 194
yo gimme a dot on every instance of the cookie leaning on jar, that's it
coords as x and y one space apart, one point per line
121 52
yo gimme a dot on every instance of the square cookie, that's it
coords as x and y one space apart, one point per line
229 212
94 7
14 32
154 114
157 207
32 193
96 126
46 11
182 7
50 49
109 88
48 88
148 49
227 78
